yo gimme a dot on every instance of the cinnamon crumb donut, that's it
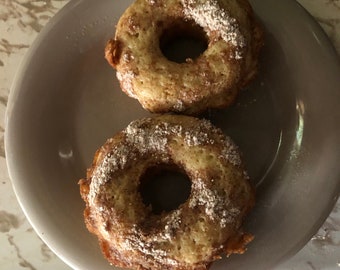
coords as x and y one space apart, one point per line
233 39
198 231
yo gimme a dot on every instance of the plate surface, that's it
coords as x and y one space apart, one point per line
65 102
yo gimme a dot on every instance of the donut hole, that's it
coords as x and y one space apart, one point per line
183 41
164 188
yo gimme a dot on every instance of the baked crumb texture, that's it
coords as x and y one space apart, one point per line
212 80
202 229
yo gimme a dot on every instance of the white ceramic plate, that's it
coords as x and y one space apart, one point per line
65 102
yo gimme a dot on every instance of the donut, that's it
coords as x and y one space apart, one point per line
228 31
199 230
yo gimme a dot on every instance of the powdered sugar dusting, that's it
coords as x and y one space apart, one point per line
149 136
133 230
126 78
230 152
172 224
179 106
210 15
136 241
116 159
152 244
217 208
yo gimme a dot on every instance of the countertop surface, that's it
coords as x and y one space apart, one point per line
20 247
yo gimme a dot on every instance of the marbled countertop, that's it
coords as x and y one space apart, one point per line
20 247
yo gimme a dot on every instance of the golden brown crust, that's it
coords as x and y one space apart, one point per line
112 52
190 237
212 80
